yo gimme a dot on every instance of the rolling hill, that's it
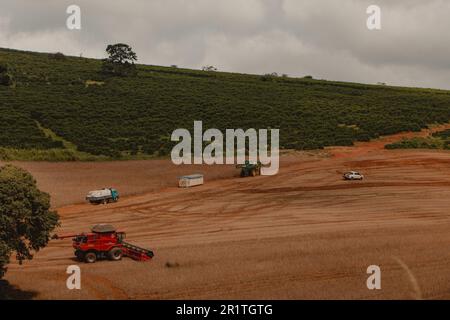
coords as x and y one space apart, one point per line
64 108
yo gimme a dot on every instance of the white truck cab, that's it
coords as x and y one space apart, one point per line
353 175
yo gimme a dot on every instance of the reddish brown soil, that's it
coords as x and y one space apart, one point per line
304 233
69 182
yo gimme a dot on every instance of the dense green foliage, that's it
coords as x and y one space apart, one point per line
25 217
439 140
127 116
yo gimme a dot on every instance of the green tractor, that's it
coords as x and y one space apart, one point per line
249 169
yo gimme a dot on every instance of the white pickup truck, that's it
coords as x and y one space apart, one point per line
353 175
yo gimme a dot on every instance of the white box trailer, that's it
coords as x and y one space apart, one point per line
190 181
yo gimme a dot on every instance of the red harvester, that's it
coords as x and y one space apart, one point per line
105 242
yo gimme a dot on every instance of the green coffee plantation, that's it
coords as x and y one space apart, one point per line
64 108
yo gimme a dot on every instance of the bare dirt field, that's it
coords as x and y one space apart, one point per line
302 234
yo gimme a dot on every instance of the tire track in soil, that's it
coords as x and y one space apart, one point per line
107 289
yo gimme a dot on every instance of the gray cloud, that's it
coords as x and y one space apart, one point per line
325 38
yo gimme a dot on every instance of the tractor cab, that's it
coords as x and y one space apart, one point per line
79 239
250 168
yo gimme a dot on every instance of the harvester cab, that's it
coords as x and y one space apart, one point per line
105 242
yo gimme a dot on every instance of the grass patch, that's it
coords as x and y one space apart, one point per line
88 83
170 264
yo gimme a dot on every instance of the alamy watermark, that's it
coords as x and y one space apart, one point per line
73 22
74 280
374 280
374 19
219 152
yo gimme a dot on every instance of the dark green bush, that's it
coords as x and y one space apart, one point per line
117 69
57 56
6 79
3 68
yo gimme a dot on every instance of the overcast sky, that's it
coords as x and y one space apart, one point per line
324 38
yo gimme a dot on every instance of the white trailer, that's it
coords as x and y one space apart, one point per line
190 181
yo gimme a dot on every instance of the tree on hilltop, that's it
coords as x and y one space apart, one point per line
120 61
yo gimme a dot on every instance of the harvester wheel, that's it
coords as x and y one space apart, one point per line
80 255
115 254
90 257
